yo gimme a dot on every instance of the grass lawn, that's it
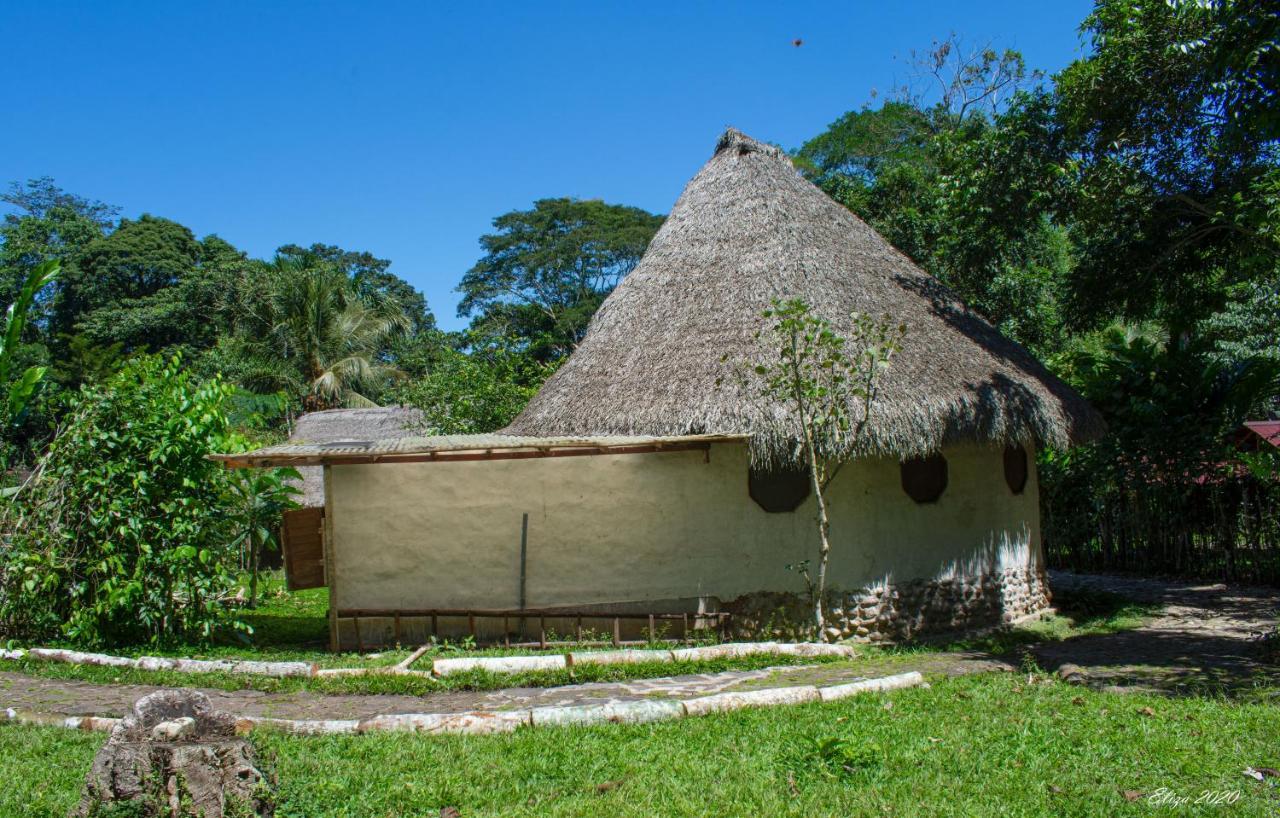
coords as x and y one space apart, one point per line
991 744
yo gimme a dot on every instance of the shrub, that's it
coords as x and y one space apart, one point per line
119 537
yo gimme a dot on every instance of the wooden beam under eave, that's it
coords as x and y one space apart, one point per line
460 456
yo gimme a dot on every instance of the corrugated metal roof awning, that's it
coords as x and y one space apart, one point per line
461 447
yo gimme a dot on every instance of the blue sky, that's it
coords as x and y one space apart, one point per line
404 128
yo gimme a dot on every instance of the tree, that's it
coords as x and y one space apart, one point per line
182 315
52 224
545 271
120 535
472 392
953 170
370 278
303 328
21 390
1167 120
255 502
123 274
827 383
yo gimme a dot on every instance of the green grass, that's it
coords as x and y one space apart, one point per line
292 626
979 745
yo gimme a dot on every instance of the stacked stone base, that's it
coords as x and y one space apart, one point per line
897 612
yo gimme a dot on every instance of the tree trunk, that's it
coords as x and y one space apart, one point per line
254 556
824 542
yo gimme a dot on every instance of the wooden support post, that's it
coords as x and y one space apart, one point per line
653 633
330 572
506 631
577 630
542 632
617 632
684 617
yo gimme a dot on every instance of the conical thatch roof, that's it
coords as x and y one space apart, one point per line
348 426
749 229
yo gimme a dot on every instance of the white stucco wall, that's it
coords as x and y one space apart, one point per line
671 525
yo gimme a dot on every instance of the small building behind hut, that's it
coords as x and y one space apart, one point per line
301 530
345 426
641 481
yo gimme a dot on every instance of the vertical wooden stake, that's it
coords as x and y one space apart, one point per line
524 557
617 632
653 633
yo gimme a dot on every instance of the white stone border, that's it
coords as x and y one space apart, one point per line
485 722
439 667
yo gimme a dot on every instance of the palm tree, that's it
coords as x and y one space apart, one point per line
308 331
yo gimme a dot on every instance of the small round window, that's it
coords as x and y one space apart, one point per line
778 488
1015 468
925 478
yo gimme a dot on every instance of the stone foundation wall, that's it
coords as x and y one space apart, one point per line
896 612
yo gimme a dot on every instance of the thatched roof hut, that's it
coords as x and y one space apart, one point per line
348 426
747 229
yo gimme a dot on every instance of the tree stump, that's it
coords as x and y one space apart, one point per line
175 755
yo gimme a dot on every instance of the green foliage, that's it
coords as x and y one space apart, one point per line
1165 490
546 270
472 392
120 536
111 289
1163 119
302 326
963 179
255 503
21 390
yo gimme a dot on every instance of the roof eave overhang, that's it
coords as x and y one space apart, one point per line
248 460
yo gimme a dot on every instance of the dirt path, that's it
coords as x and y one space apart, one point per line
1204 639
33 693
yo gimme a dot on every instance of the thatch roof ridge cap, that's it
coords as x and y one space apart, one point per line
732 138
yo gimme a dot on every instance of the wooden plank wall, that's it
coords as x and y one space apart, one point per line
302 538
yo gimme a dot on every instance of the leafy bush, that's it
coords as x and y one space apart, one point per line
120 535
473 393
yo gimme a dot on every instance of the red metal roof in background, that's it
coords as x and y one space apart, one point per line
1268 430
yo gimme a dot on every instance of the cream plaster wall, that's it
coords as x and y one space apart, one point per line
658 526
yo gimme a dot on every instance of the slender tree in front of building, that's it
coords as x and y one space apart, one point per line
826 378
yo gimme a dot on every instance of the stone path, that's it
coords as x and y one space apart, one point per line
1203 639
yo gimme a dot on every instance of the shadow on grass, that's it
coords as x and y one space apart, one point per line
282 630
